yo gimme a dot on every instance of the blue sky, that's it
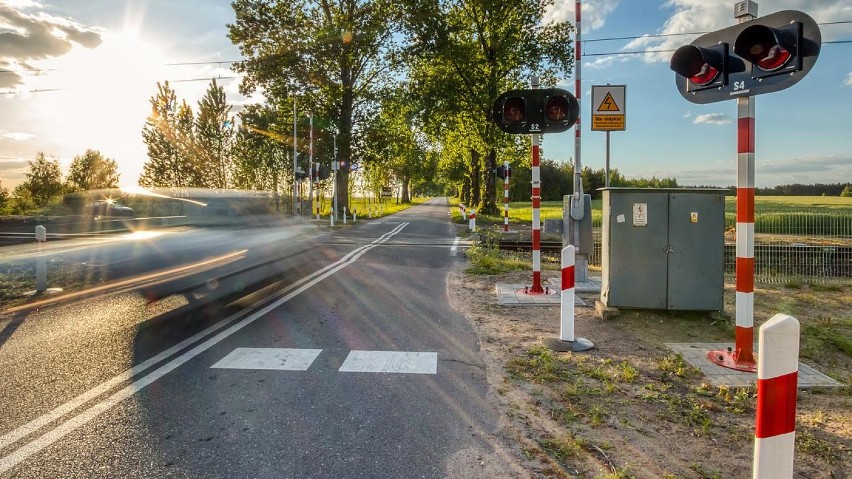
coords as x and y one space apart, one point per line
99 85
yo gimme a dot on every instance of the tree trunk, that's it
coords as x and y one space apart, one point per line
465 192
406 195
475 177
490 205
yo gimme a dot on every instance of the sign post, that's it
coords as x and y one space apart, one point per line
608 113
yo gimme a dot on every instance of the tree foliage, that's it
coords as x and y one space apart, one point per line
185 151
395 149
43 182
215 136
462 55
91 171
163 167
333 55
260 154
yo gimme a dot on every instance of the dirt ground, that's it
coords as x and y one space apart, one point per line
630 407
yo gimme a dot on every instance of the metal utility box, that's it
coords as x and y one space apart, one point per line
663 248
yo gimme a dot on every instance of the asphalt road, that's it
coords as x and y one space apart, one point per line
350 363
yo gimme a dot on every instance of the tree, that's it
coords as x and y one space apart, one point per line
92 171
5 202
162 167
394 148
332 54
215 136
463 54
259 152
44 180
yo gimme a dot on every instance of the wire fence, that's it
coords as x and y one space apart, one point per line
797 246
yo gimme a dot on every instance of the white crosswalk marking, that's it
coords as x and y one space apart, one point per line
269 358
390 362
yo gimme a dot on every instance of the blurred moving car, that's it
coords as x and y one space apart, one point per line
109 208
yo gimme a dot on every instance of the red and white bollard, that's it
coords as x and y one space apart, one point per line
41 263
777 383
566 340
506 196
472 222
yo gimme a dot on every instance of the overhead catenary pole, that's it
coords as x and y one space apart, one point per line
577 206
336 166
536 209
295 131
311 165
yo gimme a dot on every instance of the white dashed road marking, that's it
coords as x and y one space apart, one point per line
282 359
390 362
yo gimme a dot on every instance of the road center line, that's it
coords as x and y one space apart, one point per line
21 454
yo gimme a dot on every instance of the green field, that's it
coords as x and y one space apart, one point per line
795 204
805 215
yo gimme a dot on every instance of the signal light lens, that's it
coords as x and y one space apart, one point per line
773 59
514 110
705 75
556 108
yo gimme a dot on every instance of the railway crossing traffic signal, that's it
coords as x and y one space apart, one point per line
764 55
523 112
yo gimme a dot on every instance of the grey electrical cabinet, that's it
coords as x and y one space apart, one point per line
663 248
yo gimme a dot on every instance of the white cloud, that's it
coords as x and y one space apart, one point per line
17 136
713 119
770 172
691 16
593 13
848 81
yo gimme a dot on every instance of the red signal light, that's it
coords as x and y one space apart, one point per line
514 110
704 67
556 108
705 76
770 49
776 58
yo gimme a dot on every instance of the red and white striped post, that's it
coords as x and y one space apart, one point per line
506 196
566 326
472 222
536 209
742 357
777 383
566 340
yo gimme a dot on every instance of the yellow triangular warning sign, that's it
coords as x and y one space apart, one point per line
608 104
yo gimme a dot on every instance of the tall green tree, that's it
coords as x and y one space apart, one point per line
160 136
463 54
260 153
43 182
214 136
91 171
396 150
5 200
331 54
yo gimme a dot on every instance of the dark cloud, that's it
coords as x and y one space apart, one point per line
35 37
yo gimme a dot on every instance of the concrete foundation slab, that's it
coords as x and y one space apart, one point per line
696 355
515 295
